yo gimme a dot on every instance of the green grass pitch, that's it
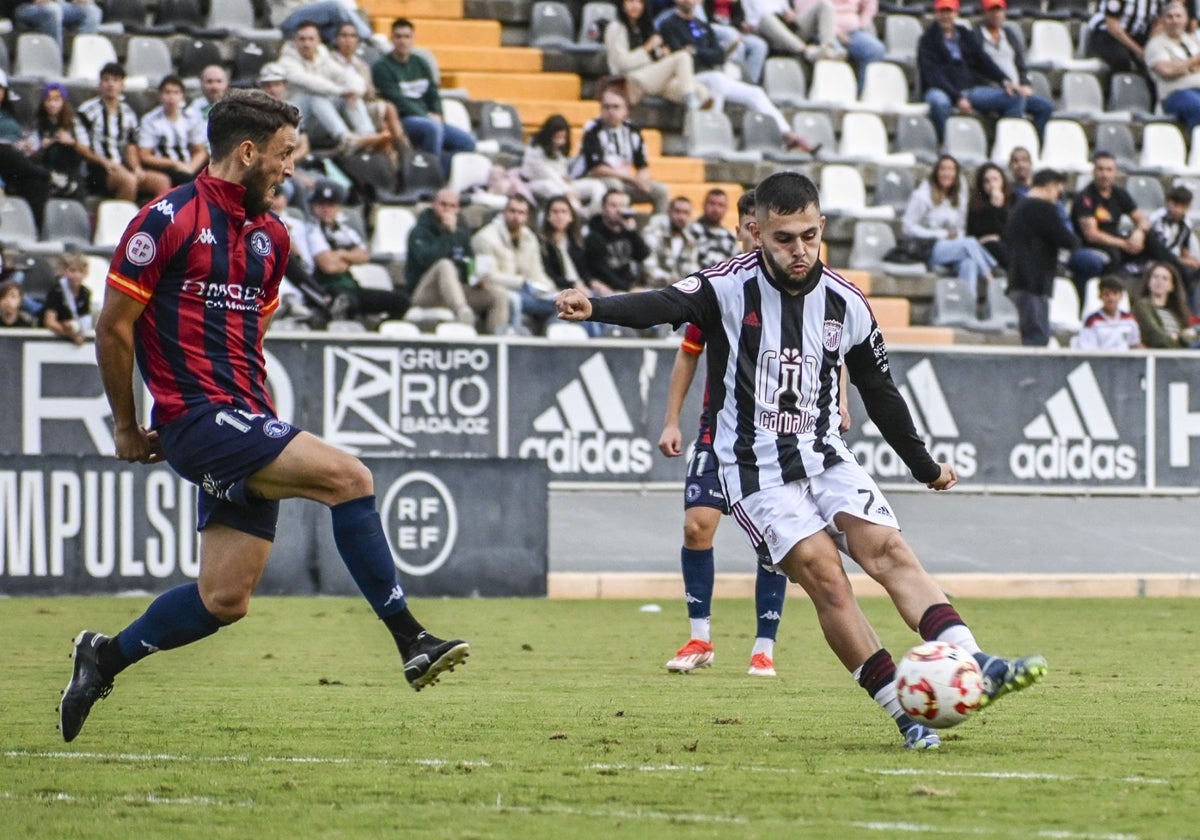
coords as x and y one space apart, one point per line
297 723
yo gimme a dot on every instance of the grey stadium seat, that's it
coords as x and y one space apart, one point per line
761 134
551 26
915 134
784 82
953 303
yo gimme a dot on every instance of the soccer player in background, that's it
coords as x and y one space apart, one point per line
780 325
192 286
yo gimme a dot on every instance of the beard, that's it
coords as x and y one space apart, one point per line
259 190
781 275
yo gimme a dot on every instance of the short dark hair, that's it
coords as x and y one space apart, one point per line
1044 177
112 69
247 114
745 204
171 79
520 199
1180 195
607 193
678 199
1104 155
785 193
8 285
403 22
715 191
1111 283
308 24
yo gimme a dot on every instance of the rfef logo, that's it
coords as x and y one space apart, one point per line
420 520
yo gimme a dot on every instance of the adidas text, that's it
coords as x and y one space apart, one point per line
1058 459
594 453
877 458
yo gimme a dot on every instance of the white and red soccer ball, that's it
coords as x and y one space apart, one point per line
939 684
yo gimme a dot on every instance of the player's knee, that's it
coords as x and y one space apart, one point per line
351 479
227 606
697 536
887 554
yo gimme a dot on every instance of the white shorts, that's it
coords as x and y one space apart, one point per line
775 519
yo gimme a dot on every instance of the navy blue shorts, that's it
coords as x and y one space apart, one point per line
702 488
217 448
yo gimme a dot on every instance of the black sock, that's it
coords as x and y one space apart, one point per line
404 629
110 659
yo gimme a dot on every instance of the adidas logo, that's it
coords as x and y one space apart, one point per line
1074 419
752 320
934 423
588 429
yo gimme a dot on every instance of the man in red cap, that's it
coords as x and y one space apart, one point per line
1005 46
956 71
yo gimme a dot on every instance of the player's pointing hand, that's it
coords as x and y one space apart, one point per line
573 305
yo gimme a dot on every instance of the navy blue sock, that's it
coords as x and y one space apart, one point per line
769 592
358 533
175 618
697 581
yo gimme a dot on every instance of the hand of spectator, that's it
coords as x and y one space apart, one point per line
1136 242
1025 90
964 104
653 43
644 183
670 443
573 305
946 480
138 445
746 28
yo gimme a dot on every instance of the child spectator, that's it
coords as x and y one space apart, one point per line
1110 327
11 313
68 310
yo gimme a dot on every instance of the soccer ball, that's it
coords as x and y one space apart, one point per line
939 684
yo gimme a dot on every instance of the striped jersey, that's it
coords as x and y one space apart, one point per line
1135 16
774 360
109 132
169 138
209 278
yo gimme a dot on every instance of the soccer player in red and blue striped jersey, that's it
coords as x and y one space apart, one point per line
192 286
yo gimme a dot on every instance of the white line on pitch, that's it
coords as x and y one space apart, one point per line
242 759
148 799
651 768
1008 774
1049 833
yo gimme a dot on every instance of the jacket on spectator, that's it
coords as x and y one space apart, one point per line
677 33
429 242
938 70
613 256
517 264
322 75
853 15
409 86
1012 34
664 267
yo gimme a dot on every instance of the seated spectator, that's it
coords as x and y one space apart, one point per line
1162 313
1170 224
714 242
1119 31
956 71
1109 327
114 166
404 78
328 94
546 163
50 17
1020 171
440 270
167 138
12 312
56 139
855 21
326 14
612 150
384 115
637 53
335 247
684 31
613 249
68 307
937 213
1005 46
562 245
987 212
18 172
272 81
734 34
300 298
1173 58
673 248
214 81
517 263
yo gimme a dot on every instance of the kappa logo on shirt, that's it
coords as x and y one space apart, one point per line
166 208
206 237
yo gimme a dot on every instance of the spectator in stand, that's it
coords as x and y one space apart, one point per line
68 306
937 212
56 141
12 313
1005 46
1162 313
562 250
1171 225
114 164
612 149
855 21
988 209
18 172
714 242
684 31
613 249
273 82
812 20
214 81
517 263
1020 171
50 17
406 80
1109 327
734 33
167 138
956 71
546 164
335 248
328 94
674 252
1119 33
638 54
1114 230
1035 233
440 270
300 298
327 14
1173 58
384 115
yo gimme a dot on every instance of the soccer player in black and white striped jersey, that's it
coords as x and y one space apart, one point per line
779 326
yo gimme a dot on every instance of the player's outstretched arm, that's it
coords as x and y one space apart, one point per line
946 480
573 305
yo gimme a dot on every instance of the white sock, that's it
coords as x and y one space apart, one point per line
961 635
700 629
766 646
889 701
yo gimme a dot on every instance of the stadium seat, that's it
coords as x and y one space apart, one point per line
373 276
885 90
1012 132
131 14
237 16
5 65
38 57
1001 311
784 82
710 137
1146 191
966 140
1040 84
1193 161
66 220
345 326
195 54
551 26
833 85
420 176
1082 97
96 278
761 134
893 186
390 237
17 225
864 138
953 304
182 16
901 32
1117 139
1163 148
843 193
113 215
468 170
1065 147
594 14
399 329
1129 93
1050 47
502 123
565 331
149 59
1064 306
454 329
816 127
456 115
88 54
248 60
870 242
916 134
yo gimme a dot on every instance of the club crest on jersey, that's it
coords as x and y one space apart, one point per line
275 428
771 536
688 284
832 335
260 243
140 249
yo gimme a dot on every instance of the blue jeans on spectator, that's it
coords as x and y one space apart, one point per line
988 100
751 53
1033 317
50 18
969 259
1086 263
434 136
1184 104
863 48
